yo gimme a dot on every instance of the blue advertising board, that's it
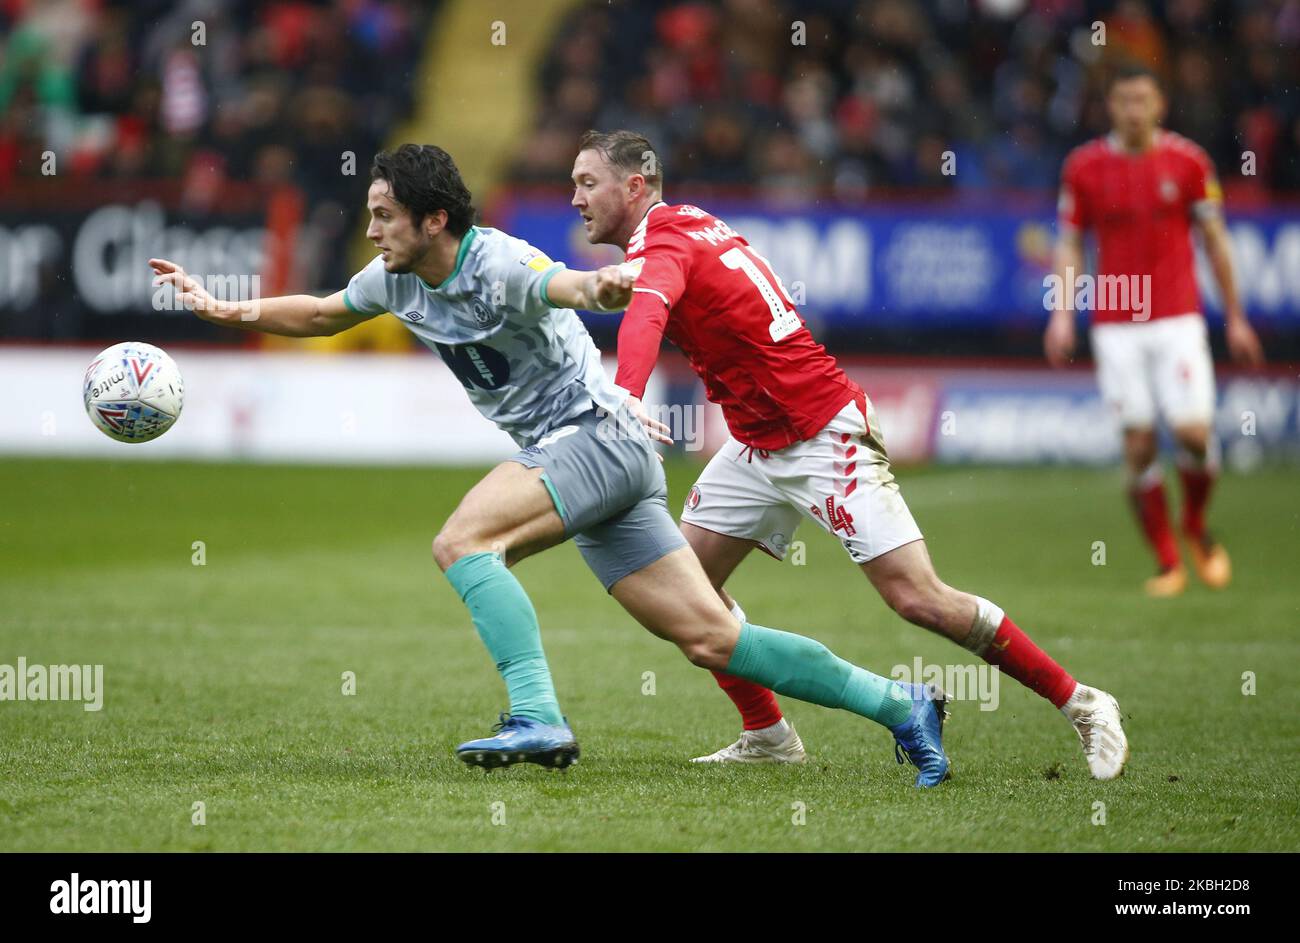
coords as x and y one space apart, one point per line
919 265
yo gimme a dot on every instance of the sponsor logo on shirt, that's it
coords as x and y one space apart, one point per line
536 260
476 365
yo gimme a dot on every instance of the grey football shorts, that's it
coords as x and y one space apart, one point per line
609 488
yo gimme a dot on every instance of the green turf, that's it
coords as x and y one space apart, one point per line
223 681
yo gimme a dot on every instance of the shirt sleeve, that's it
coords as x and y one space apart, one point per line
639 337
1072 206
1204 195
367 292
663 264
522 275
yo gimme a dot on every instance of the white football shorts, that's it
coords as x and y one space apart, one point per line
1156 368
840 478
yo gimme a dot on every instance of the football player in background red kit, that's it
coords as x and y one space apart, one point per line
804 441
1141 189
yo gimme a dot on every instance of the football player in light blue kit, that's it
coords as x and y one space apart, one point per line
500 314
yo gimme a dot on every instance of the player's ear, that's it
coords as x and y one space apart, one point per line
435 222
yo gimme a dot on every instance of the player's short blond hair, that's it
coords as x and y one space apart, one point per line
628 151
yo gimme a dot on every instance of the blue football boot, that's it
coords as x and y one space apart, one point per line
920 737
522 740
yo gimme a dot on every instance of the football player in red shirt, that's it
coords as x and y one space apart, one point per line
804 440
1141 189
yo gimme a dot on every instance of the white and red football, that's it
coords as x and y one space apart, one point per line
133 392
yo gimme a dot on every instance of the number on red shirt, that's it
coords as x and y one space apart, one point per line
784 320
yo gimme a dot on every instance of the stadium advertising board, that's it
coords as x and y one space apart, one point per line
918 265
408 408
1034 415
75 268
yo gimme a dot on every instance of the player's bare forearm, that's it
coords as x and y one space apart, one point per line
1058 339
287 315
1243 342
1068 263
1219 251
604 291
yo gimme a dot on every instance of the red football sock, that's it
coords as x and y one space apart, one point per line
1013 652
757 705
1153 515
1197 483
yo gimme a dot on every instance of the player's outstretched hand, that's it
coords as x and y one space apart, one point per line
1058 341
1243 342
613 287
658 431
189 290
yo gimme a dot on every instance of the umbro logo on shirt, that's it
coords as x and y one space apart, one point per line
414 316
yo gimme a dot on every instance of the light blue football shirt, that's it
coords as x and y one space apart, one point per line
527 365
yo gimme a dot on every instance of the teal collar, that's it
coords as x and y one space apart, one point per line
465 242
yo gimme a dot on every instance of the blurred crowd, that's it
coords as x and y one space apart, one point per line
839 97
203 89
793 96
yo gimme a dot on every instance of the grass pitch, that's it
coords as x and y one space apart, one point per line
224 681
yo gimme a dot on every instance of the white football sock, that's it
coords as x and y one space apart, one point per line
1073 700
775 733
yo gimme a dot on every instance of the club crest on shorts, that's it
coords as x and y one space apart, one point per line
693 499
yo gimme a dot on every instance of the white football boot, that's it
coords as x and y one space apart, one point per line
1096 718
781 745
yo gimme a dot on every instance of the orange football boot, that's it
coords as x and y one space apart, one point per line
1210 561
1168 583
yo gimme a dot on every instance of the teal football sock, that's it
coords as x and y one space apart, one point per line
806 669
507 624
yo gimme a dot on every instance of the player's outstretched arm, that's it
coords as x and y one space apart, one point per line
287 315
609 289
1243 343
606 290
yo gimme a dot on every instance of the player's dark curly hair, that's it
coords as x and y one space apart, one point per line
628 151
1128 70
424 179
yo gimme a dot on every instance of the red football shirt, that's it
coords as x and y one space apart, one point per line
702 286
1141 207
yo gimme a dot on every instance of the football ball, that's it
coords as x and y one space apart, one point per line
133 392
